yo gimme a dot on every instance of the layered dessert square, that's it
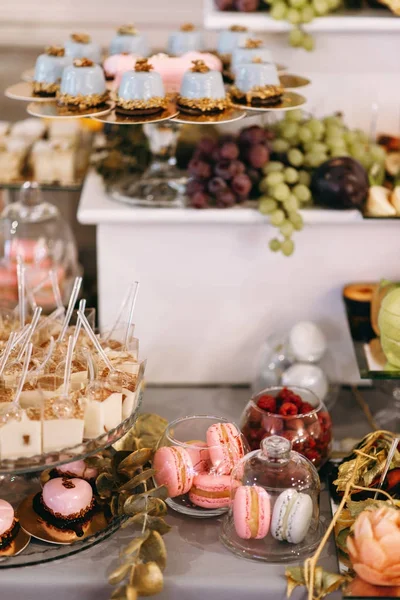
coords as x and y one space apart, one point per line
54 161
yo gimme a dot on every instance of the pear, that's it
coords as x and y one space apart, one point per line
378 203
395 199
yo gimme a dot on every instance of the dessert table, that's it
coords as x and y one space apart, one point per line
198 565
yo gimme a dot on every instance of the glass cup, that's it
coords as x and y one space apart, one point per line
310 433
195 471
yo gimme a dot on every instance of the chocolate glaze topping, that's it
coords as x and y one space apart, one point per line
9 535
73 523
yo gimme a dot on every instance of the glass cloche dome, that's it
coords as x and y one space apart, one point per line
274 511
33 233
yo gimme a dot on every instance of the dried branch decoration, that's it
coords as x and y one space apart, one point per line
257 60
143 65
250 43
81 38
199 66
127 30
54 51
83 62
237 28
187 27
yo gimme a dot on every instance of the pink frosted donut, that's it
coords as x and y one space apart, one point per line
79 469
211 491
6 516
200 455
174 469
251 512
172 68
67 498
118 64
225 445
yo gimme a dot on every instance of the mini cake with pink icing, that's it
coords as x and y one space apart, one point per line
77 468
174 469
211 491
225 445
9 526
251 512
118 64
66 507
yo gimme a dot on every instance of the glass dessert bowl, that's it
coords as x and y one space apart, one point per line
194 460
296 414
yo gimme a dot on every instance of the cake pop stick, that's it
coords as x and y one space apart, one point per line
82 306
94 340
131 290
132 308
7 351
21 291
32 327
71 304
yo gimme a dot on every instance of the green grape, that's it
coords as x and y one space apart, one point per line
358 150
333 5
308 42
291 175
318 148
339 151
274 245
294 115
286 229
321 7
289 130
275 178
304 178
366 161
291 204
378 153
294 16
333 120
277 217
297 220
333 131
296 37
267 205
278 11
280 145
336 143
362 136
272 167
287 247
314 159
263 187
295 157
349 137
281 192
305 134
297 3
317 128
302 192
307 14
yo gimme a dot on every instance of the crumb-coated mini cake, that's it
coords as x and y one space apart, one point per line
48 71
83 85
257 84
66 507
187 39
118 64
247 51
141 91
9 526
202 91
80 45
128 39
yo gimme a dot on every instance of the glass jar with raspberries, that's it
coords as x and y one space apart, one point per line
296 414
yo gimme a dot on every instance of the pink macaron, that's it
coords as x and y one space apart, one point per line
251 512
67 497
226 448
174 469
200 455
211 491
6 517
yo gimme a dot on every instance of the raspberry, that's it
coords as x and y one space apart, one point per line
287 395
288 409
306 408
312 455
267 403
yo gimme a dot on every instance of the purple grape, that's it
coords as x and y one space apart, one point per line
238 167
206 145
225 169
241 185
225 198
252 135
200 169
254 175
216 155
224 4
226 137
194 185
257 155
216 185
247 5
200 200
229 151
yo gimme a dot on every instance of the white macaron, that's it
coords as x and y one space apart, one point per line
291 517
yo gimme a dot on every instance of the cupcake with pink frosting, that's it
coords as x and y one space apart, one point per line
9 526
66 506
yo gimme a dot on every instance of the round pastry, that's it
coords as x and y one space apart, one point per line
118 64
80 45
225 446
307 342
246 52
211 491
66 506
141 91
256 84
77 468
251 512
174 469
187 39
129 40
83 85
200 456
291 517
173 68
202 91
48 70
9 526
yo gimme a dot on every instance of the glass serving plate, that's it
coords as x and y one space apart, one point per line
80 451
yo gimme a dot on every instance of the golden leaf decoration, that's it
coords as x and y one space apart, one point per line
137 480
119 593
120 573
131 593
114 506
324 583
154 523
104 485
149 428
157 507
135 460
148 579
135 544
153 550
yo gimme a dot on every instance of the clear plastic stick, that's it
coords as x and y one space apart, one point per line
21 335
32 326
68 365
130 317
82 306
90 364
40 367
389 459
58 312
56 288
121 311
94 340
24 373
7 351
73 298
21 291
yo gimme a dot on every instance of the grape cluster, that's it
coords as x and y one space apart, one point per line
228 171
240 5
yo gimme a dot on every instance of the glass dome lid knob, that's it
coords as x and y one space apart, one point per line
276 449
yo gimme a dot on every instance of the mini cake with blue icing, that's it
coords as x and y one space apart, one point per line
48 71
257 84
202 91
187 39
141 91
250 49
129 40
83 85
80 45
229 40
